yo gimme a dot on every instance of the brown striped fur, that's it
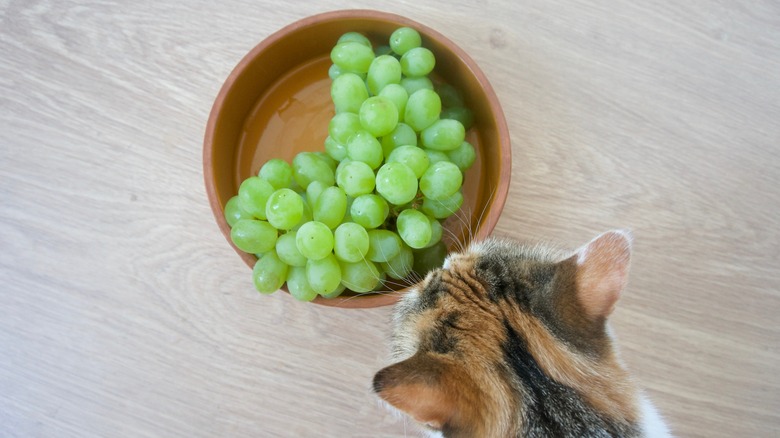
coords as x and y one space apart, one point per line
510 340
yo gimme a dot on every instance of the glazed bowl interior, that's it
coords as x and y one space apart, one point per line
276 103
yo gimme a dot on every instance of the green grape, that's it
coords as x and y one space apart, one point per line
443 135
414 227
383 245
298 284
328 160
360 277
411 85
277 172
384 70
330 207
341 165
342 126
441 180
306 214
314 190
402 135
295 186
253 193
436 232
348 215
314 240
404 39
350 242
324 274
450 96
352 56
464 156
339 289
334 71
356 37
380 284
363 146
253 236
348 91
436 156
422 109
269 273
234 212
463 115
400 266
336 150
369 211
355 178
417 62
287 250
383 50
398 95
428 259
443 208
308 167
284 209
412 156
397 183
378 116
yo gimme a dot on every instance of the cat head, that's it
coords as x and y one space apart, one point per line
512 340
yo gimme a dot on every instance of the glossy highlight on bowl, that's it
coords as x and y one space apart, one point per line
276 103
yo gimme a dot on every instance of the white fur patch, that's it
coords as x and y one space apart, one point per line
653 426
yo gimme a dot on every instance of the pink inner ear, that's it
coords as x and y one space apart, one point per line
602 272
437 391
416 387
426 404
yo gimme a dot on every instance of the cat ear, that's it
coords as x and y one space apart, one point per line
602 272
419 387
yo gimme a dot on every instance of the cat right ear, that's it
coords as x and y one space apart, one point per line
602 272
422 387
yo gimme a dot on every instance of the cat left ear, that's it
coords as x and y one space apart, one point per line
602 272
419 387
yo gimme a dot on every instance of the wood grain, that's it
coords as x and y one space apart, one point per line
124 312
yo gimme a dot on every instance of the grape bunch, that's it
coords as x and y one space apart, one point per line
369 207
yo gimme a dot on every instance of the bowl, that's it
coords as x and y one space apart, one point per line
276 103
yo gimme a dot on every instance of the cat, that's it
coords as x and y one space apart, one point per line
509 340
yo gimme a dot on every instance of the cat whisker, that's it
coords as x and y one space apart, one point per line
396 282
453 238
484 210
414 278
359 294
384 282
394 272
463 222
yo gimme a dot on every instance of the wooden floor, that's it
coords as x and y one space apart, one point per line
124 312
